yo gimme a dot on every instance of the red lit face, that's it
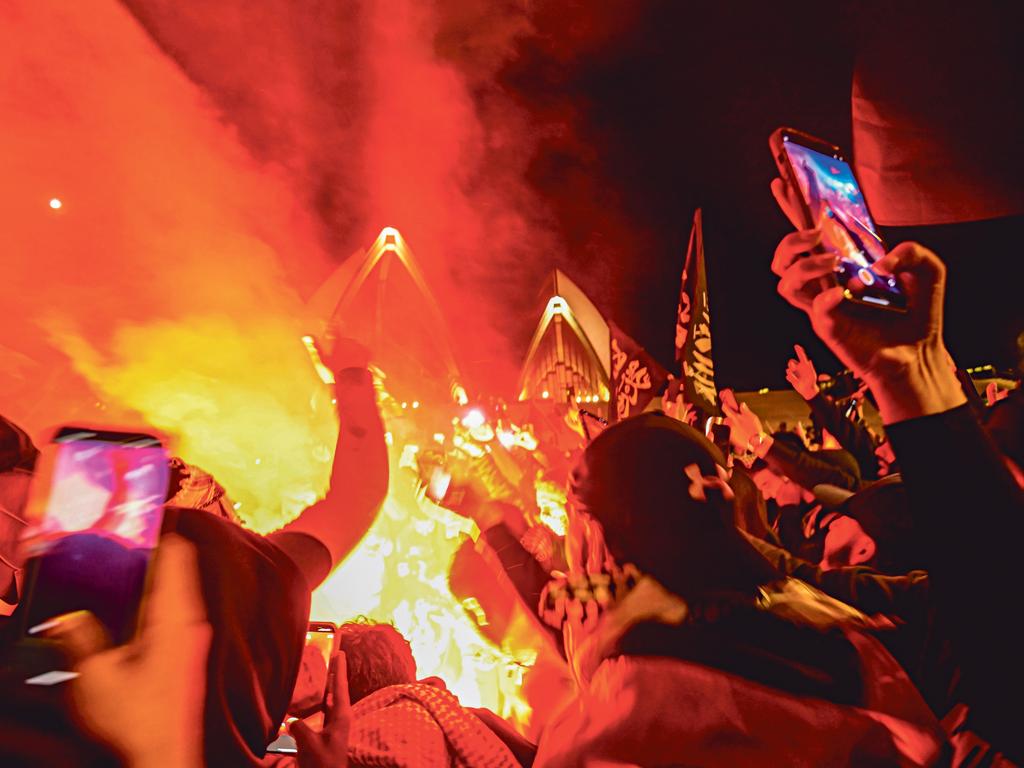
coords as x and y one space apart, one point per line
777 487
846 543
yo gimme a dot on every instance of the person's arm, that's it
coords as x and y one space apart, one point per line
521 567
145 699
502 527
904 597
855 438
521 748
965 503
807 470
852 436
324 533
969 512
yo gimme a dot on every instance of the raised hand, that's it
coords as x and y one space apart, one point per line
327 748
900 355
801 375
146 698
678 409
746 431
993 394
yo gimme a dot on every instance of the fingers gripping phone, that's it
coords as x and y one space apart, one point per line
94 518
831 200
310 691
720 433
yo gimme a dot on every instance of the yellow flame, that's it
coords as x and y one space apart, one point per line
551 503
224 406
399 574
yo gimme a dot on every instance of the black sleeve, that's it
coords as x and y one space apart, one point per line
904 597
525 573
310 555
969 513
807 470
257 603
852 436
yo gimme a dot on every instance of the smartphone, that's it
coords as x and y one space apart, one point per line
831 199
720 433
94 515
310 691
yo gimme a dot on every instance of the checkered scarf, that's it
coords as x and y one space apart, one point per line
419 726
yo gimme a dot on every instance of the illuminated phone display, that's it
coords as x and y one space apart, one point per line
837 207
94 521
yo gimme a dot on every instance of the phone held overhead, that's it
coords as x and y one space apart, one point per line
831 201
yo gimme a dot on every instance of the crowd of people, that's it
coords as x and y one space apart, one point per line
826 596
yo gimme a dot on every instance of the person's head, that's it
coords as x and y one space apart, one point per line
653 485
376 656
776 487
871 527
845 542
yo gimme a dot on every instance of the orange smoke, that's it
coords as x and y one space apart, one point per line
158 291
164 287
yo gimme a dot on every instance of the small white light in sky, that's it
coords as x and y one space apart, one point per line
55 203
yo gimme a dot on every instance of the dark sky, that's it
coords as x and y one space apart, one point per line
676 107
676 104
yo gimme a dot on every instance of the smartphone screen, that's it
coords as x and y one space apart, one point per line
94 515
311 685
837 207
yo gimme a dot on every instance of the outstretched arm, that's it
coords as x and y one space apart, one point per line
359 478
966 505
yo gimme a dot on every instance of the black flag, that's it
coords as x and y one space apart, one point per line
636 376
693 329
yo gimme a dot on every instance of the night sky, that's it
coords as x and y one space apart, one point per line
677 108
677 104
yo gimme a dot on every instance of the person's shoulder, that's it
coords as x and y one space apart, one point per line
224 544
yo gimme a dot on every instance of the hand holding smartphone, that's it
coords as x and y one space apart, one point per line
94 517
310 694
829 199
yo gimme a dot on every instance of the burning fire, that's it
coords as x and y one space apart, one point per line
399 573
158 276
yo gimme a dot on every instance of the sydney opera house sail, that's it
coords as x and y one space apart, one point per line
567 359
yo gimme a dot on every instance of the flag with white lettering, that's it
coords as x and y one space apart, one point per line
636 376
693 328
